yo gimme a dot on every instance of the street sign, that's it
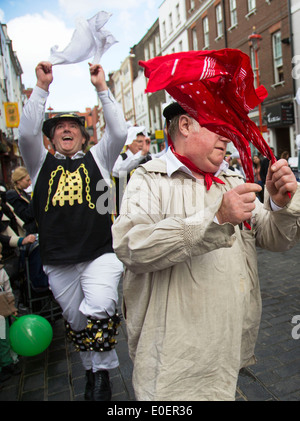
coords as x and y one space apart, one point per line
159 134
12 114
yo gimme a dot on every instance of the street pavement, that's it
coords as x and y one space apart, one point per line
57 373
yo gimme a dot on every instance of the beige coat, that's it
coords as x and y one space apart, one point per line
191 292
7 298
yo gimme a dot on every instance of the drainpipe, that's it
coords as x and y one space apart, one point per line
225 25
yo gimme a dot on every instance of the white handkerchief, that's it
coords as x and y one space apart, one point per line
89 39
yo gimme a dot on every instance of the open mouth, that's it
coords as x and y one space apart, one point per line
66 138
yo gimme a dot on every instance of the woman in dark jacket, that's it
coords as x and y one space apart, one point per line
20 200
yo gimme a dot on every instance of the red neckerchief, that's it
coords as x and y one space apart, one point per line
208 177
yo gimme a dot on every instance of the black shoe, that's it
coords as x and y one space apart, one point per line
88 395
102 390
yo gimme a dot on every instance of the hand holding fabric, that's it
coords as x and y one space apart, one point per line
279 182
238 203
44 75
98 77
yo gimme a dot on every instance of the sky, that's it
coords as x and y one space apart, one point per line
35 26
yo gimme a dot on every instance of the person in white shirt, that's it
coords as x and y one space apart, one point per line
137 153
74 229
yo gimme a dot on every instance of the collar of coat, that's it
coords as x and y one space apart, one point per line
160 166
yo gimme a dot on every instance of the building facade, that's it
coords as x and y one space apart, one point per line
11 105
295 30
147 48
185 25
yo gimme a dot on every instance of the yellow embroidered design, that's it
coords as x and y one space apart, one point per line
69 187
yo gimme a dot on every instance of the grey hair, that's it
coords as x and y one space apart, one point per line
173 128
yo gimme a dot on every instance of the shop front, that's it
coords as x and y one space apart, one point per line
280 122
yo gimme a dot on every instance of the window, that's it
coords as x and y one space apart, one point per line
192 4
194 39
157 44
277 57
251 5
164 30
171 22
180 46
219 20
127 101
233 13
152 49
206 32
177 14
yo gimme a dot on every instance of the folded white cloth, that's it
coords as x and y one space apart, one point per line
89 39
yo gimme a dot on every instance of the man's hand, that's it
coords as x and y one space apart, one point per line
98 77
44 75
29 239
280 181
237 204
146 146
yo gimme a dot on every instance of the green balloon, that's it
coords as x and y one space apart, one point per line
30 335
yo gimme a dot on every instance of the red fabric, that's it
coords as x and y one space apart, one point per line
208 177
216 88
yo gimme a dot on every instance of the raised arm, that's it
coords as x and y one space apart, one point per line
30 129
110 145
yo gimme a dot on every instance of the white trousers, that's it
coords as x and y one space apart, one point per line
88 289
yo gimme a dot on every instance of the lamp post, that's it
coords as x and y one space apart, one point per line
255 39
50 109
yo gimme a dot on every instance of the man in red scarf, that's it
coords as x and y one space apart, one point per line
187 234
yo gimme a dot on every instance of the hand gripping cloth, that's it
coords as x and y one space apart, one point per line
216 88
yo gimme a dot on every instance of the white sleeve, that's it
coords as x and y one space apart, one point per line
127 165
111 144
31 142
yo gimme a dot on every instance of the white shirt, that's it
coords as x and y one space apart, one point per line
105 152
128 164
131 162
173 164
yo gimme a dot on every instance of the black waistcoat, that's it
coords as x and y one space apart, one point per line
71 230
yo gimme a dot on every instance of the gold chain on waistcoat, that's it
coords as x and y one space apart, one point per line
68 181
